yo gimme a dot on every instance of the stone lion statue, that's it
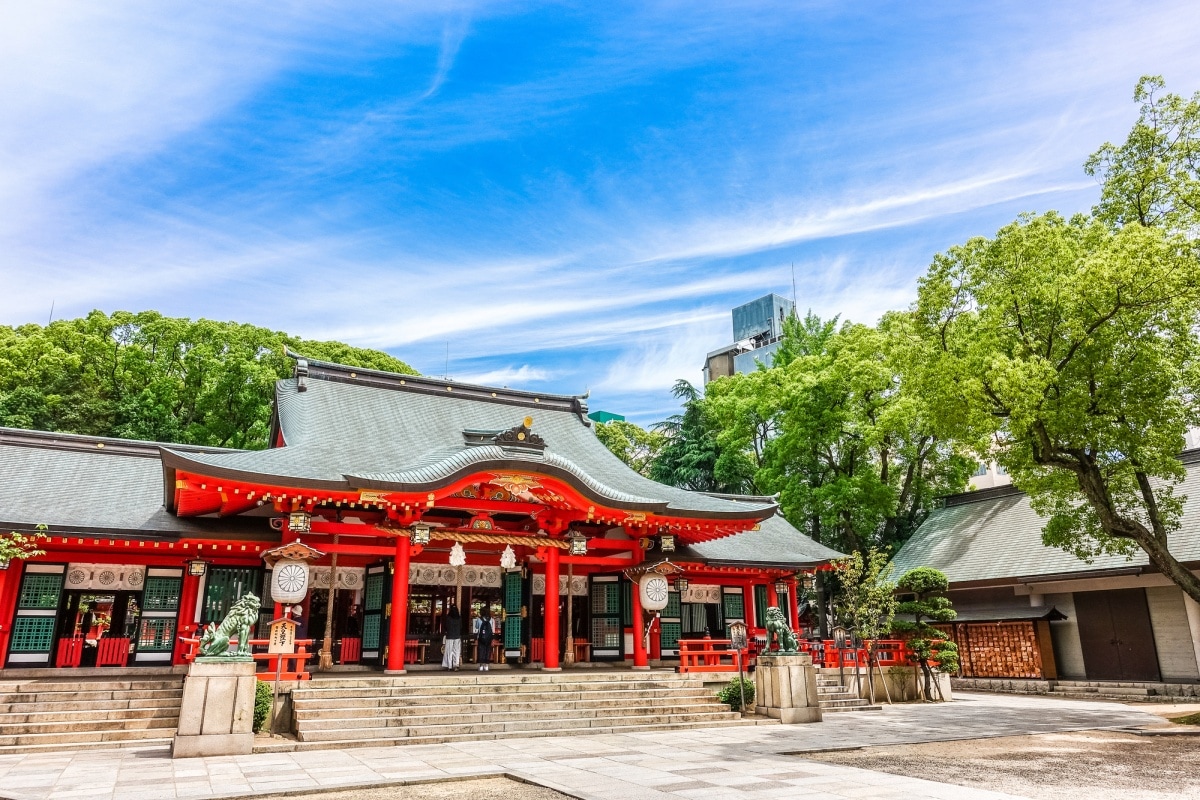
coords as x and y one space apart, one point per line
236 625
778 629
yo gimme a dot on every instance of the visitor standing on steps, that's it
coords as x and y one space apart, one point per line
452 647
484 633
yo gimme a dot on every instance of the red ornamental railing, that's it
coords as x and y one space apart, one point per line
709 655
292 666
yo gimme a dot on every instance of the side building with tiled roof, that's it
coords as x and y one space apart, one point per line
1031 611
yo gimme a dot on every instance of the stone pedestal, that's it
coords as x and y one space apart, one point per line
217 714
786 688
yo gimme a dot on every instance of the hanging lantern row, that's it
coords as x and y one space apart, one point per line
681 584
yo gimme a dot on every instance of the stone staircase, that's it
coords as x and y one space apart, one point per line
1107 690
381 711
63 714
835 697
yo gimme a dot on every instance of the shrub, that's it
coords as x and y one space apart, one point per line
262 704
733 697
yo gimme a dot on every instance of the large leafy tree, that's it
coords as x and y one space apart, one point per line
146 376
692 458
631 443
832 429
1068 349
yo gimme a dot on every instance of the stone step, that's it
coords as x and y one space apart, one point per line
305 699
465 716
475 677
90 705
522 727
22 728
840 709
278 746
308 710
387 690
139 744
98 715
94 688
1108 691
97 739
88 696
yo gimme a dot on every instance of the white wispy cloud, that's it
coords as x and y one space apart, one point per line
506 376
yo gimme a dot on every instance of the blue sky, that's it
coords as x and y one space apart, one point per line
566 196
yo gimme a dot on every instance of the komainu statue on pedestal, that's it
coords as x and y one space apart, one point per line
236 625
779 631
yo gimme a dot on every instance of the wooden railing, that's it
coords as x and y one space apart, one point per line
351 650
888 653
709 655
112 652
292 666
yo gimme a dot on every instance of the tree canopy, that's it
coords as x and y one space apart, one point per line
634 445
692 458
832 428
1068 349
146 376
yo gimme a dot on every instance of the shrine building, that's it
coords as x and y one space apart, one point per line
380 477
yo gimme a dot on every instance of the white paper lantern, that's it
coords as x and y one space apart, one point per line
654 591
289 581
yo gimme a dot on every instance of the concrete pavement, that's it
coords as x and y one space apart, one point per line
742 762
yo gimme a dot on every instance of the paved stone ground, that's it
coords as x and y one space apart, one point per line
744 762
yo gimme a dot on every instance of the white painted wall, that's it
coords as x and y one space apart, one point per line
1172 634
1068 652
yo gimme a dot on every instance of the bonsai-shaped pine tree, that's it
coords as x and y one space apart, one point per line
929 604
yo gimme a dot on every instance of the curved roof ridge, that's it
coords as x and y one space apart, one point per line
403 381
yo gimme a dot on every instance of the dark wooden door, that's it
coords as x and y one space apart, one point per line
1115 635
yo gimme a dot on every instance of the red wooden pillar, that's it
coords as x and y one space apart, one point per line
656 638
9 586
398 623
550 626
772 596
794 605
748 604
186 621
639 643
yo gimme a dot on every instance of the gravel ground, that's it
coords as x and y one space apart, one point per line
1097 765
467 789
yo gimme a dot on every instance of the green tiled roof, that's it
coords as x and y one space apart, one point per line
353 429
994 535
88 484
776 542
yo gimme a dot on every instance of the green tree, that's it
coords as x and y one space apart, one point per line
692 458
146 376
634 445
1067 350
867 600
833 430
928 604
15 544
1153 177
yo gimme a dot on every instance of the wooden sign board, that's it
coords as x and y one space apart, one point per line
282 638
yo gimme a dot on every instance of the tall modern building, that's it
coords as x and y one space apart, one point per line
757 331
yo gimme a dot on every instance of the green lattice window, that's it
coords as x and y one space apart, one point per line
760 606
672 609
370 632
157 635
161 594
735 606
627 605
373 594
670 634
605 598
32 634
40 590
513 592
